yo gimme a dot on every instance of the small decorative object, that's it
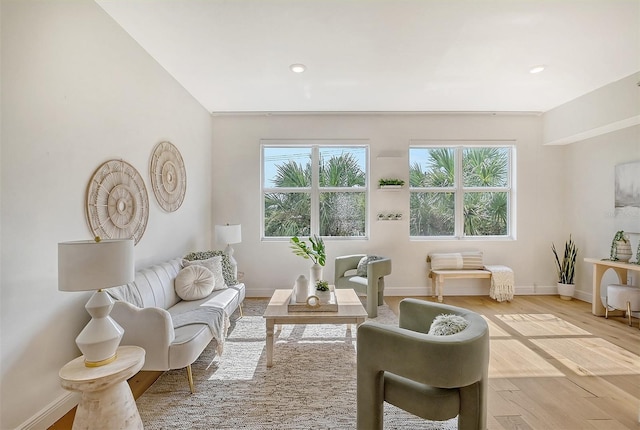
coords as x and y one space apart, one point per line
322 291
168 176
117 202
638 254
228 235
316 253
566 269
620 247
302 289
390 183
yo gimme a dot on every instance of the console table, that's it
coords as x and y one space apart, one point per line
601 266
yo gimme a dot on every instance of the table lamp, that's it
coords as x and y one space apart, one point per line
229 234
93 265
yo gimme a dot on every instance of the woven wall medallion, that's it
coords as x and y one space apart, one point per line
117 202
168 176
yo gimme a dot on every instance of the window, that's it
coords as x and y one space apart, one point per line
314 189
461 191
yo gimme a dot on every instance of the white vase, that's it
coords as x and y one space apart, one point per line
302 289
623 251
315 274
566 291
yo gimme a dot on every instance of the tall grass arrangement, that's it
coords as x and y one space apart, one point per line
566 268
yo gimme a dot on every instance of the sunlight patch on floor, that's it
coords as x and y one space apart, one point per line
541 325
510 358
604 358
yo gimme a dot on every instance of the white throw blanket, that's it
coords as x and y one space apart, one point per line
216 318
501 283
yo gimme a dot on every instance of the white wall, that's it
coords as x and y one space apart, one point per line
76 92
589 176
270 265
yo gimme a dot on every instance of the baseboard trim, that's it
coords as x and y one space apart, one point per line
47 416
451 290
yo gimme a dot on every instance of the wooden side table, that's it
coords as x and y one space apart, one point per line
107 402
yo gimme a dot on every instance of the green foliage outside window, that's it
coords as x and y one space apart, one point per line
483 181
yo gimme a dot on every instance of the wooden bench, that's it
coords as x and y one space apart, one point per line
438 277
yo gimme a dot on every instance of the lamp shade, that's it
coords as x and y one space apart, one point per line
228 234
90 265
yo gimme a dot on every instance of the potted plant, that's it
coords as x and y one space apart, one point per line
620 247
390 183
322 291
566 269
315 252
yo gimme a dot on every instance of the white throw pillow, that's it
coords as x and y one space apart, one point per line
194 283
447 324
215 265
442 261
472 260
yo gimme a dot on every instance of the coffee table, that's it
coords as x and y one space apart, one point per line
350 311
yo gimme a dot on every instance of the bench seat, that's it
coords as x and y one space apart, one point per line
438 277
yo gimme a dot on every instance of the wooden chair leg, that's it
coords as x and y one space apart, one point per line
629 312
190 378
241 313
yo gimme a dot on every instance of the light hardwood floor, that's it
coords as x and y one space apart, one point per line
554 365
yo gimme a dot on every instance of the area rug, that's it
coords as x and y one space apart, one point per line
312 384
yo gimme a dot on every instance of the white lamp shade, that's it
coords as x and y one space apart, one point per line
227 234
90 265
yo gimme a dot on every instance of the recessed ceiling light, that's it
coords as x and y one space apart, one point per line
537 69
298 68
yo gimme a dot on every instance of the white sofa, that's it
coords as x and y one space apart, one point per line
147 307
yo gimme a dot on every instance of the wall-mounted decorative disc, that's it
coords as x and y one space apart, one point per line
117 202
168 176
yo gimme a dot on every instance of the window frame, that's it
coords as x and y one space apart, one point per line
459 190
315 190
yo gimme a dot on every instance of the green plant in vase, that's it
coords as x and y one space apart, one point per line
566 267
322 285
613 254
316 252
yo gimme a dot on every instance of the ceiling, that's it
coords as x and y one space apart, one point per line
386 55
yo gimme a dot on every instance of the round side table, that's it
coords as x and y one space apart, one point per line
107 402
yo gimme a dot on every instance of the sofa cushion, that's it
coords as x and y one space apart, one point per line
364 262
194 282
447 324
214 264
227 268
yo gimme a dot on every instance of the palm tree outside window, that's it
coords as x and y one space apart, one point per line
461 190
314 189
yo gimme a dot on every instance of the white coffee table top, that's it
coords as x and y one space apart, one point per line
349 306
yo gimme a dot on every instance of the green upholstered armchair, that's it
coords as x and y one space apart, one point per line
433 377
372 285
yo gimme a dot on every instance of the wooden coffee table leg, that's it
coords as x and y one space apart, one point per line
270 324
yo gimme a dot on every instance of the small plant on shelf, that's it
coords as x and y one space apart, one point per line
390 182
322 285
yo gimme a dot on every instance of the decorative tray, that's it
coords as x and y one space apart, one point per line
313 304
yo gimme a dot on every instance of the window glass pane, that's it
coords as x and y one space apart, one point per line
485 214
432 214
342 167
342 214
287 167
287 214
485 167
432 167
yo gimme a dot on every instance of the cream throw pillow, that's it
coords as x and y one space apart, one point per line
214 264
447 324
194 283
443 261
